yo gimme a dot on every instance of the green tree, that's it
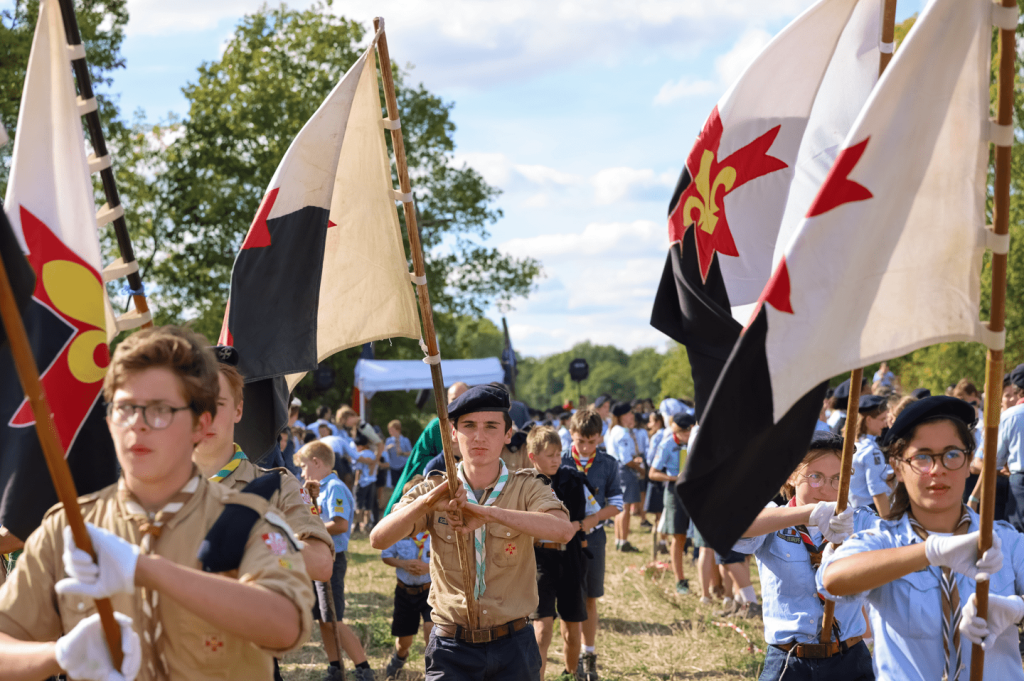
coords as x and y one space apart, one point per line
244 111
674 375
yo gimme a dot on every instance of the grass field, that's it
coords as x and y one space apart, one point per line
646 630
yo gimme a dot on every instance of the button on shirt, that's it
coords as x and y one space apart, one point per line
336 500
622 445
397 451
406 549
792 609
870 471
671 456
1010 451
907 615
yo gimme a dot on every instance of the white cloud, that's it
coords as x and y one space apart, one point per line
685 87
728 67
616 184
611 239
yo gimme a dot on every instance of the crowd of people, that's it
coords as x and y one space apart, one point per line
196 542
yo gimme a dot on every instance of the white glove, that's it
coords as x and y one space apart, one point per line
820 514
1003 611
835 528
83 652
114 574
960 554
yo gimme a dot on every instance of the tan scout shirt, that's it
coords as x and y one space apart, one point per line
300 516
30 610
511 571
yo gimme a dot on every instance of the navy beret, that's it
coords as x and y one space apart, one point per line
870 403
601 399
1017 376
225 354
920 393
684 420
842 391
826 439
928 409
620 409
479 398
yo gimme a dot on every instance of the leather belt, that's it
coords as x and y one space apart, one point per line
480 635
413 590
554 546
819 650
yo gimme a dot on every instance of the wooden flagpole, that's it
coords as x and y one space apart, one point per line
28 375
466 557
996 323
857 375
100 161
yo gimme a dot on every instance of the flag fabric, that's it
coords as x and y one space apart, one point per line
50 206
887 259
19 273
752 171
323 266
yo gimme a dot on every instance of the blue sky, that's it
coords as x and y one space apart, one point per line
581 111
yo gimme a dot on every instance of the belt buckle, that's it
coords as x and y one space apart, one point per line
815 650
479 635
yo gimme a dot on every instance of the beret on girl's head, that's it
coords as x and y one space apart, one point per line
928 409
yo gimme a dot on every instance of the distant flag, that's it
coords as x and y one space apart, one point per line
50 206
508 359
323 266
754 168
886 260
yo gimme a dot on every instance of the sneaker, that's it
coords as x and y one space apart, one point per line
394 665
628 548
334 674
663 548
566 675
586 670
750 611
645 523
705 600
365 674
683 587
732 607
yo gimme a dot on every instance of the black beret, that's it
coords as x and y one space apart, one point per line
620 409
826 439
928 409
920 393
829 393
601 399
361 439
225 354
870 403
479 398
842 391
1017 376
684 420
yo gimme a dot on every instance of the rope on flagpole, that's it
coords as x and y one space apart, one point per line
100 162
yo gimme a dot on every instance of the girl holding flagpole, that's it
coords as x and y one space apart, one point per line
918 566
788 542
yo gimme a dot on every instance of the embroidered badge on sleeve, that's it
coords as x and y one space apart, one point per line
276 543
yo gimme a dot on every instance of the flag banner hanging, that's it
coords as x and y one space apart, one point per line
49 204
886 260
753 170
323 266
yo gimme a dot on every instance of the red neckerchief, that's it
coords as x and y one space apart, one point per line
1020 401
676 440
576 458
420 539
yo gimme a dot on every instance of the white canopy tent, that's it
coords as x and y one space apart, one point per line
376 375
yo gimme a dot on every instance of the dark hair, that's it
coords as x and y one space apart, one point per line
361 439
308 437
323 412
899 498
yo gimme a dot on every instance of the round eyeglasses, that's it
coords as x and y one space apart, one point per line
951 460
157 416
816 480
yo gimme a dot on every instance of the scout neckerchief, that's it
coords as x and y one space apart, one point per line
814 551
950 595
230 466
584 468
480 534
420 540
152 628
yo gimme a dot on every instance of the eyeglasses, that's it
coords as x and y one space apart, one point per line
157 416
952 460
816 480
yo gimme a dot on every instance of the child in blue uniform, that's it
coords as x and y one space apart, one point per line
665 469
918 566
622 444
868 483
788 542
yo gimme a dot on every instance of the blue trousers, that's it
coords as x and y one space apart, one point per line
853 665
515 658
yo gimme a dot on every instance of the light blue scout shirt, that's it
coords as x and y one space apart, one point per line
643 440
315 427
821 425
621 445
336 500
397 451
670 455
792 609
367 477
655 444
906 617
406 549
340 445
870 470
1010 451
566 437
886 379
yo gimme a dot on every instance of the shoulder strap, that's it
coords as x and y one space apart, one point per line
224 545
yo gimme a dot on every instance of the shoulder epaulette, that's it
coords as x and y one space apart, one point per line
224 545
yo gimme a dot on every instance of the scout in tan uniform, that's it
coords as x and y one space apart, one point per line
220 460
147 531
502 514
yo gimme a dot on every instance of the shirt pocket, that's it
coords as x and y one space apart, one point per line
792 565
918 598
443 546
504 545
